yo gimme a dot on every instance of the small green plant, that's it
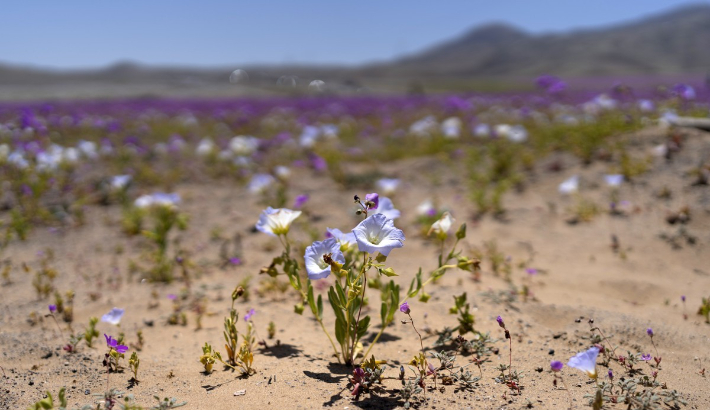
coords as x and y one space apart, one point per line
704 309
133 364
208 358
49 404
91 333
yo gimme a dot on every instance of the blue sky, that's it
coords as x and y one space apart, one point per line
76 34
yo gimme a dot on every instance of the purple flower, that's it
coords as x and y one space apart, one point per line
300 201
556 366
682 298
235 261
172 296
649 332
374 198
500 322
113 344
646 357
531 271
610 374
404 308
249 314
52 309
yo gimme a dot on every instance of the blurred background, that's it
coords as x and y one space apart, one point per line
89 49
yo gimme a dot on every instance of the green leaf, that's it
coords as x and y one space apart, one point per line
340 330
62 397
320 307
311 299
362 327
383 313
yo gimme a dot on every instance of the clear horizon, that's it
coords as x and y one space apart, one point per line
219 33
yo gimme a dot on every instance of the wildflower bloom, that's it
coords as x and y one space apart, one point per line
556 366
321 256
613 180
610 374
249 314
442 226
276 222
531 271
259 183
426 208
500 322
646 357
388 185
346 240
570 185
377 233
374 198
649 332
586 361
52 308
300 201
682 298
404 308
114 316
386 208
113 344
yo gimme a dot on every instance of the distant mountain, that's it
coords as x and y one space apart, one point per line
674 42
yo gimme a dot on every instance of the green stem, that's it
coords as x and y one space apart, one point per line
384 326
431 278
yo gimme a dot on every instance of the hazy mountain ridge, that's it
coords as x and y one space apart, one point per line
674 42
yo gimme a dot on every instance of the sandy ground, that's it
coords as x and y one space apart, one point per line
583 277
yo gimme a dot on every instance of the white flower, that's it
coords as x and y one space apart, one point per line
114 316
18 159
346 240
316 265
243 145
120 181
660 150
423 127
309 136
646 105
71 155
482 130
570 185
259 183
388 185
586 361
378 234
386 208
276 222
282 172
614 179
157 199
451 127
205 147
88 148
517 133
426 208
442 226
